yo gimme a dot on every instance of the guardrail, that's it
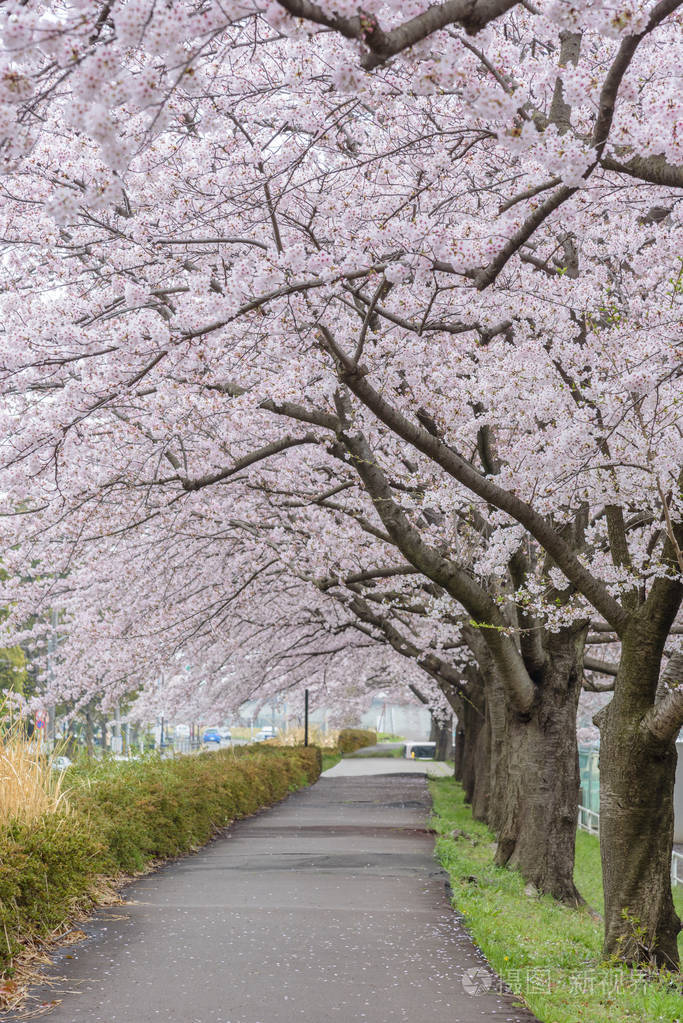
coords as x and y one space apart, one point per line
589 820
677 868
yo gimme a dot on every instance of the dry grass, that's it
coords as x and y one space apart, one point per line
316 737
29 787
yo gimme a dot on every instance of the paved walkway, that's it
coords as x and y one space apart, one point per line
355 767
329 908
381 747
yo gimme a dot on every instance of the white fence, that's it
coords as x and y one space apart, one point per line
589 821
677 868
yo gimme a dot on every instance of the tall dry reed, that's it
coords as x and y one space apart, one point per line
29 787
316 737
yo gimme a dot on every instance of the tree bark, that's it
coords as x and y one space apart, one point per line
441 733
472 760
497 747
89 732
538 774
637 773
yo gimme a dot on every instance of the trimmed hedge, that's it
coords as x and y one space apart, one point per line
351 739
125 816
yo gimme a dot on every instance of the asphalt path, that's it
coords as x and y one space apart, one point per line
356 767
328 908
389 748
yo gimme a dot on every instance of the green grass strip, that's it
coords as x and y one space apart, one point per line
547 953
330 758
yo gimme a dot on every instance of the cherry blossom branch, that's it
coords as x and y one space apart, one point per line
296 287
430 662
615 75
289 409
388 572
484 277
592 588
454 579
242 463
529 193
473 15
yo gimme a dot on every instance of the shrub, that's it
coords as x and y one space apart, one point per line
123 816
351 739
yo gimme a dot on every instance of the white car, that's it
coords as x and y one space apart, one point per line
61 763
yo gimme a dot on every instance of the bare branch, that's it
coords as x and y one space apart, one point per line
604 667
242 463
655 169
665 719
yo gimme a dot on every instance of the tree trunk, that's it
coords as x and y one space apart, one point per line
481 790
441 733
497 740
538 773
459 761
637 777
473 745
468 768
89 731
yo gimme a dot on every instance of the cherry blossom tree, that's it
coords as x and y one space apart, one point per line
439 245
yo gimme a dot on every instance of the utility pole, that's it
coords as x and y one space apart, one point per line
51 659
306 717
117 744
161 724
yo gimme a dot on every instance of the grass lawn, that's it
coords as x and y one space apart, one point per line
396 754
546 952
330 758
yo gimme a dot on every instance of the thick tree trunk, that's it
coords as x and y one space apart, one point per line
538 773
636 812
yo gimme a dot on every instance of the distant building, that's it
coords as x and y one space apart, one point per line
410 721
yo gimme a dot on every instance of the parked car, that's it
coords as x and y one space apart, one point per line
212 735
420 750
267 732
61 763
225 734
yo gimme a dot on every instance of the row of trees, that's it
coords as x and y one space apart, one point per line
345 344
